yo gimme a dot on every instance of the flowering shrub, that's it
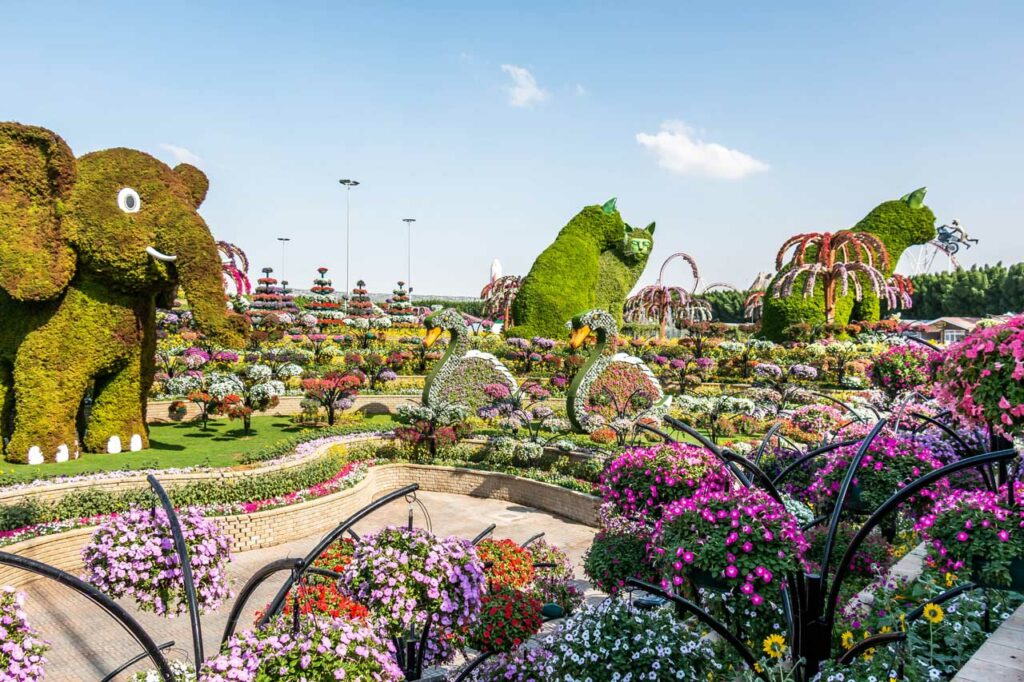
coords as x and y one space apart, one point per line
810 423
21 651
980 378
614 557
610 642
506 563
432 428
976 530
321 599
334 391
889 464
902 369
403 576
338 649
642 481
622 389
544 552
132 555
736 539
507 619
558 591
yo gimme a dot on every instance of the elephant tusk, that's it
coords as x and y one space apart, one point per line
160 256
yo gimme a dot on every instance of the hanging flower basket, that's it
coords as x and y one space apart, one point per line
21 650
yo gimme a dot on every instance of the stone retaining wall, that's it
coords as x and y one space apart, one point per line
315 517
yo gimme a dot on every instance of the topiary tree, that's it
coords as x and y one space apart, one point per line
898 224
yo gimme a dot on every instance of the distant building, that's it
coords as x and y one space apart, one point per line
948 330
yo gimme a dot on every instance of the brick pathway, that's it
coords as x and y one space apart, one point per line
87 644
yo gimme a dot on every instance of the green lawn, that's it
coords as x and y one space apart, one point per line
181 445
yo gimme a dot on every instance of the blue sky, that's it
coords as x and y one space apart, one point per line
732 126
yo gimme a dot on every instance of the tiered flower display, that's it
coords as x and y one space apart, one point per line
323 649
404 576
400 307
271 297
359 304
133 555
982 378
740 539
21 650
323 303
902 369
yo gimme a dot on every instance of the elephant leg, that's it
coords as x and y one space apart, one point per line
6 402
116 422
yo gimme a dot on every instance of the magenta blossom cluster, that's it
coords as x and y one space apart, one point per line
741 539
21 650
982 378
403 576
971 527
642 481
133 555
322 649
902 369
890 463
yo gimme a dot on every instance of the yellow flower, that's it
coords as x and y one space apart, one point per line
774 646
884 629
933 613
950 579
847 639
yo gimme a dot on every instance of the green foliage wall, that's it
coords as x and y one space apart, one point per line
975 292
899 224
570 276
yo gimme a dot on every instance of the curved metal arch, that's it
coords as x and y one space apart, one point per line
825 449
112 608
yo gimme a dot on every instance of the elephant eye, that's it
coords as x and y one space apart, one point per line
128 200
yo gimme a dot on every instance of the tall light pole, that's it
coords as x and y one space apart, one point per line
349 184
408 223
284 242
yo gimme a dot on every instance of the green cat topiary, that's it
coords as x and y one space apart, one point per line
899 224
593 263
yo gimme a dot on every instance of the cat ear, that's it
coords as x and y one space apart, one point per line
650 228
609 206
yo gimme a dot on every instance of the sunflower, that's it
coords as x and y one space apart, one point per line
933 613
774 646
847 639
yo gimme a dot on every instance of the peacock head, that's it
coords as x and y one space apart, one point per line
597 321
447 319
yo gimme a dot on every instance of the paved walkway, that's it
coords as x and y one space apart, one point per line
87 644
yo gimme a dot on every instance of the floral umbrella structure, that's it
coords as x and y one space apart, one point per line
498 296
662 304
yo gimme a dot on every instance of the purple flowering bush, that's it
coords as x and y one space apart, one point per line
979 531
132 555
641 482
322 649
890 463
902 369
21 650
405 575
738 539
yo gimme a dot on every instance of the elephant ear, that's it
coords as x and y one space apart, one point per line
37 172
195 180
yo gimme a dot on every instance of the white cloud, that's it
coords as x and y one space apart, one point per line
680 151
581 91
524 91
182 155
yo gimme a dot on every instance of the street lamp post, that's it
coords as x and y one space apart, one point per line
284 242
349 184
408 273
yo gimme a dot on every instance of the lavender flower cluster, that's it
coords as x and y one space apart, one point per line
404 575
21 650
133 555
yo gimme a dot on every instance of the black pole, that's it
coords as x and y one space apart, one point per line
186 568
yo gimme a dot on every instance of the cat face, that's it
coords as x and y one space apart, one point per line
637 243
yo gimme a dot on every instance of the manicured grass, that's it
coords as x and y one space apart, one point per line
181 445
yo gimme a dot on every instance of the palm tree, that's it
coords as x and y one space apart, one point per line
899 292
661 303
842 258
498 296
754 305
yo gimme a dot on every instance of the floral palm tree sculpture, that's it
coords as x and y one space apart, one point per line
498 296
899 292
662 303
754 305
837 259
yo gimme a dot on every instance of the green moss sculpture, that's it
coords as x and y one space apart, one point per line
594 262
900 224
86 247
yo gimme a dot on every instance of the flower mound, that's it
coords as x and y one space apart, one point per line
337 649
740 539
889 464
506 563
403 576
21 651
509 617
976 528
642 481
132 555
902 369
980 378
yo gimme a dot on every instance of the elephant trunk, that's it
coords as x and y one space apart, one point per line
200 275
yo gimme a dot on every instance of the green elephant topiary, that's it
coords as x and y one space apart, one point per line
87 248
594 262
900 224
